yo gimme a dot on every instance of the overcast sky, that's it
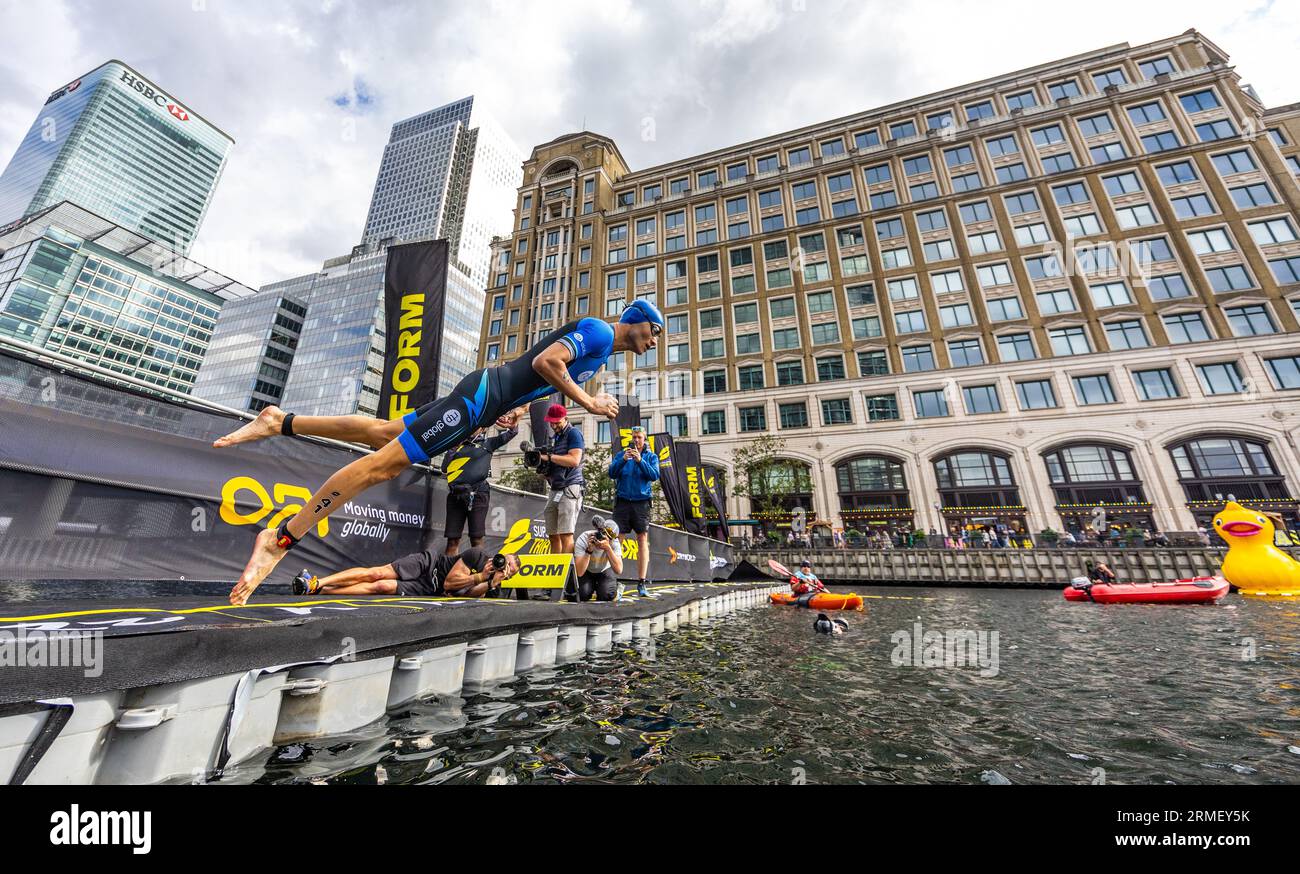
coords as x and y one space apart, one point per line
310 88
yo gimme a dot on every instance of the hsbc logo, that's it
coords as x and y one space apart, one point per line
155 97
66 89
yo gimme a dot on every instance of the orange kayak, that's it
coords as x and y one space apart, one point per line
819 601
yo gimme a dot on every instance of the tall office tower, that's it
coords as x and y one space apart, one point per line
116 144
449 173
1063 297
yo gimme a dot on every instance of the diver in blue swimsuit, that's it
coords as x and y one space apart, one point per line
561 361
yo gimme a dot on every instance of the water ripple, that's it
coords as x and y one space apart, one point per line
1082 693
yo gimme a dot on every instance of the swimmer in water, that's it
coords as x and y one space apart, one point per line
826 625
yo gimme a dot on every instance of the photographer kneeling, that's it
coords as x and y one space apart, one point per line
598 560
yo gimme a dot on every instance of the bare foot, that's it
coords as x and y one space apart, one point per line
266 555
267 424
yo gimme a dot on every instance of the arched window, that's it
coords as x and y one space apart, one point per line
872 490
1095 485
977 487
560 168
1216 468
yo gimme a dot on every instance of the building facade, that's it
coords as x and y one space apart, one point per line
121 147
76 283
449 173
248 362
1059 298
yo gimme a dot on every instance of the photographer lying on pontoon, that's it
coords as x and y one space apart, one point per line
474 573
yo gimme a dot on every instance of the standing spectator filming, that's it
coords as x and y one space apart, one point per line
634 471
565 479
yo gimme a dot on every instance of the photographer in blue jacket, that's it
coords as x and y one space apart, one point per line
634 469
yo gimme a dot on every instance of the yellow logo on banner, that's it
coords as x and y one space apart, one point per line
456 468
406 372
630 548
231 488
518 537
540 572
693 492
625 439
665 455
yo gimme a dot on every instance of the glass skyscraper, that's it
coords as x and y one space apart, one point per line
450 173
250 354
75 283
121 147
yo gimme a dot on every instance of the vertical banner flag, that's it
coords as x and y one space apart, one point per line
629 414
668 482
415 291
690 473
541 431
717 496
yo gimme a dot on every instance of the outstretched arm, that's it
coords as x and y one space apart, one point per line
492 444
553 366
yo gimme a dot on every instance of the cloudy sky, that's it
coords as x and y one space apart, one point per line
310 88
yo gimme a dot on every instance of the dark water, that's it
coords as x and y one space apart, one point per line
1081 693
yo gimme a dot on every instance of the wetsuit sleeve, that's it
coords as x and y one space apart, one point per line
590 338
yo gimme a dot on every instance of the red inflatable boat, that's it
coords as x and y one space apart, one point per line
1199 590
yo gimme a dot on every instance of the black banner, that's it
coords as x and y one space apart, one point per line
99 483
541 432
717 491
668 483
415 291
629 415
690 476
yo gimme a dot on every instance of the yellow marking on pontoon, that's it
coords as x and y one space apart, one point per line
221 609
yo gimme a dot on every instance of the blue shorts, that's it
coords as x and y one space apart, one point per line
446 422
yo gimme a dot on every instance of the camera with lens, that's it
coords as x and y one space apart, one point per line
537 457
601 534
498 562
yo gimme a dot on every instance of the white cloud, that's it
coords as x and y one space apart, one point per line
709 74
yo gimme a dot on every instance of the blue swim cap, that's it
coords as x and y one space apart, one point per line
642 311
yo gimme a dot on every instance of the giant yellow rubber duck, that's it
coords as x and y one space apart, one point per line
1253 564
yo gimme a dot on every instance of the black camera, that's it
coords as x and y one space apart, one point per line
536 457
602 528
498 562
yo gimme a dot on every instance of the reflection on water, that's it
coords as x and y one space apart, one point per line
1082 693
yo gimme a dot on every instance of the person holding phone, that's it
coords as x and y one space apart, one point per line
635 470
